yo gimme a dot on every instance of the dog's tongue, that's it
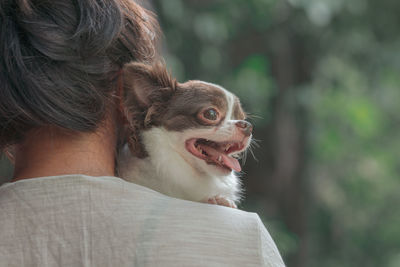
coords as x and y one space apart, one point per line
226 160
231 162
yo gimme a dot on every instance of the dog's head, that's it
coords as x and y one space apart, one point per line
202 123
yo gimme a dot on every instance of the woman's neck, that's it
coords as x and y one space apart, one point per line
50 151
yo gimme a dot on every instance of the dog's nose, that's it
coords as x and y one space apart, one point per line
245 127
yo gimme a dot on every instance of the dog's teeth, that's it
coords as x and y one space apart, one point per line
227 147
219 158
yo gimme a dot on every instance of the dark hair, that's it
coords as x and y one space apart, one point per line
59 60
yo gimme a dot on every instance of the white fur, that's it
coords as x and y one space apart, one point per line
172 170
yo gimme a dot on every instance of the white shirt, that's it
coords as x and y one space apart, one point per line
77 220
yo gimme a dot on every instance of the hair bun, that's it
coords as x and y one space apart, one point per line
59 59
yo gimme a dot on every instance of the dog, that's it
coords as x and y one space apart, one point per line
184 139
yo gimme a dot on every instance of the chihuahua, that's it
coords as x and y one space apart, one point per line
184 139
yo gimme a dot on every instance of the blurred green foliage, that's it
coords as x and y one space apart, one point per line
333 67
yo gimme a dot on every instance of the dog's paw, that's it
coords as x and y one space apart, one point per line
217 200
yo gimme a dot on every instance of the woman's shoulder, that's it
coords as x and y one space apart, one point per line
113 193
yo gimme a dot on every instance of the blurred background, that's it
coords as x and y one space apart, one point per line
320 79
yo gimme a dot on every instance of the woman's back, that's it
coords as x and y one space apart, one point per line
77 220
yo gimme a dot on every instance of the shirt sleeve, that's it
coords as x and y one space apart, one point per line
270 256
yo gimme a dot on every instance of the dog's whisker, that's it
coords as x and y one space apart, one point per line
252 153
254 143
244 158
253 116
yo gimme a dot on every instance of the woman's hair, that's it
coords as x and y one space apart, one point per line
59 60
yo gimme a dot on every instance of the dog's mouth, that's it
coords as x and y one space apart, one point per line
221 154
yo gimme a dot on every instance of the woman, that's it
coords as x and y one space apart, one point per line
59 67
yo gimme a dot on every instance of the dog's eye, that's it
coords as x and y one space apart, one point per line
211 114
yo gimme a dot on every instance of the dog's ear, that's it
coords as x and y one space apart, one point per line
146 91
146 84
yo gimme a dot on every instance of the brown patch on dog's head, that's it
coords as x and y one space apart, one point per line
189 99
